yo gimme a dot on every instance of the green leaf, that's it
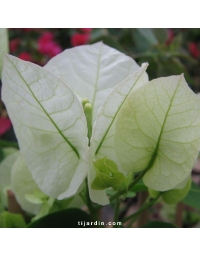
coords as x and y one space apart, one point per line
5 143
10 220
92 71
141 45
192 199
110 41
158 131
3 45
102 142
70 218
1 154
176 43
107 175
9 151
49 124
176 195
161 34
172 66
148 35
159 224
130 194
139 187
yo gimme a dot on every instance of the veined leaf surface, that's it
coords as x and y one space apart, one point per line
49 124
92 71
158 130
102 142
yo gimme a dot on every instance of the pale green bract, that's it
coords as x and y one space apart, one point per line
48 117
22 184
158 132
174 195
3 45
15 176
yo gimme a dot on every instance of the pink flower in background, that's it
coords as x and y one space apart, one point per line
86 30
47 45
193 49
25 56
55 49
46 37
14 44
5 125
79 39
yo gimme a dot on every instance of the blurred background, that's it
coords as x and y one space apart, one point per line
168 51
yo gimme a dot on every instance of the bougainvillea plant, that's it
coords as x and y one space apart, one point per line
91 114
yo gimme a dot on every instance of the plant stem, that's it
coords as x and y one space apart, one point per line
143 208
117 204
143 217
91 209
179 215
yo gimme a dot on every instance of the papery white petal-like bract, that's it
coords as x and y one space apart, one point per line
159 131
102 142
50 126
92 71
47 116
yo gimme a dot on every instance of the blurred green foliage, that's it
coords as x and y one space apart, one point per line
168 51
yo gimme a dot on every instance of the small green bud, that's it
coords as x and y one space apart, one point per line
107 175
88 114
88 108
84 101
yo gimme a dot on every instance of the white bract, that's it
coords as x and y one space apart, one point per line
48 116
158 131
45 107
